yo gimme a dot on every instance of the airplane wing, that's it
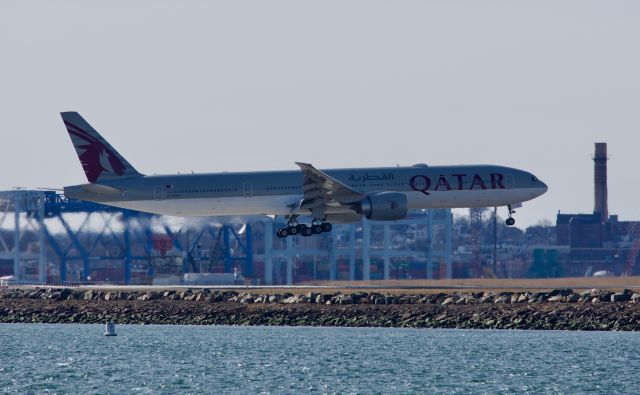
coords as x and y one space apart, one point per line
320 188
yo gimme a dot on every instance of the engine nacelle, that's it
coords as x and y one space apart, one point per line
384 206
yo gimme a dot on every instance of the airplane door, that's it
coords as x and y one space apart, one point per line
510 181
159 192
247 189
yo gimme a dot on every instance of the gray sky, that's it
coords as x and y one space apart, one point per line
251 85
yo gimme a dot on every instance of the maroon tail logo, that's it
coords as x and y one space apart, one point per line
95 157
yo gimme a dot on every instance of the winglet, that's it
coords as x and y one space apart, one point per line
99 159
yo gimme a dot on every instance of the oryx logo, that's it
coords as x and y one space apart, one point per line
94 155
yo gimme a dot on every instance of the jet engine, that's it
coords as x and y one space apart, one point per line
383 206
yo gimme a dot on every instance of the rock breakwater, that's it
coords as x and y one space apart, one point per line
561 309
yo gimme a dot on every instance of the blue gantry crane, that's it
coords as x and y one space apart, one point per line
49 215
79 241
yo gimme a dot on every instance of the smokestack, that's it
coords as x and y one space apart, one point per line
600 182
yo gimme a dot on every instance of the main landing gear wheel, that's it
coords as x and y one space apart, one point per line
326 227
282 233
316 229
292 230
306 231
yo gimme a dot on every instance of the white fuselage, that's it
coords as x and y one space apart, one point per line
281 192
278 205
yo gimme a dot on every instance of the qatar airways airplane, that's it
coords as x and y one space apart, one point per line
325 196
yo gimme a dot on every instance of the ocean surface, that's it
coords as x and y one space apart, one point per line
43 358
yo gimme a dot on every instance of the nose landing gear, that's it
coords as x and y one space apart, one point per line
510 221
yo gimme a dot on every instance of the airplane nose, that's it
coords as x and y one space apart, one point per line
544 188
538 186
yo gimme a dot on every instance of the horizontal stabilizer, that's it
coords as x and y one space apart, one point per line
101 189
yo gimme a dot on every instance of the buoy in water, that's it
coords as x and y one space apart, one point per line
111 329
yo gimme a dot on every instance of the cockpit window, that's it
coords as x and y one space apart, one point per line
534 178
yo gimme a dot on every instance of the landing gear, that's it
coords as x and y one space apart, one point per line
306 231
319 226
510 221
293 228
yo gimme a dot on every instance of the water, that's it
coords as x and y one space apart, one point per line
40 358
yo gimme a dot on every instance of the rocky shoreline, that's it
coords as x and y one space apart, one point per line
561 309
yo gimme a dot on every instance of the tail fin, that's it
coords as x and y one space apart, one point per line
98 158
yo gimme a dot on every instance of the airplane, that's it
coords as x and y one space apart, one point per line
326 196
